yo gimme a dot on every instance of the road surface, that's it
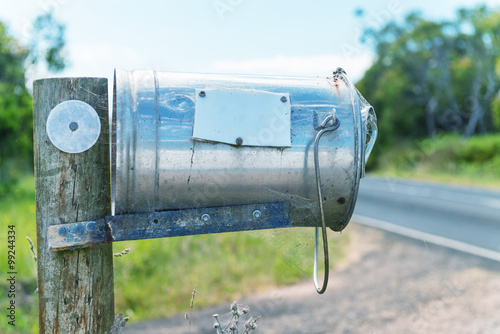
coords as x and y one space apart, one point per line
467 219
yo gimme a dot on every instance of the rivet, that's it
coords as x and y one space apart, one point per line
283 99
256 214
90 226
205 217
202 93
239 141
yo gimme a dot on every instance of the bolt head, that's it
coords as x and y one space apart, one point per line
239 141
257 214
284 99
91 226
205 217
202 94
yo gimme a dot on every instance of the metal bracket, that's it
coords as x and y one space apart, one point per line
169 224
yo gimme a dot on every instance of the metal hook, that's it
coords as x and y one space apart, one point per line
331 123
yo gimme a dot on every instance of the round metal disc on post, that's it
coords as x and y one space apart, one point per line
73 126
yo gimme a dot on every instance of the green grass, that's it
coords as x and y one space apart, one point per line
156 278
18 208
446 158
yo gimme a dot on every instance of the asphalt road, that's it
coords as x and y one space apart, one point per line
467 219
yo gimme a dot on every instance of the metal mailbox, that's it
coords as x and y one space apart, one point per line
204 153
194 141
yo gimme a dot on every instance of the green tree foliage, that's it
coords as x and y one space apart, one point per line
16 125
16 116
431 77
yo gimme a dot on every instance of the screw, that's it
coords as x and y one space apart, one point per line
202 93
90 226
73 126
283 99
205 217
256 214
239 141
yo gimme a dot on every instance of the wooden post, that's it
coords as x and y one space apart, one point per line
75 288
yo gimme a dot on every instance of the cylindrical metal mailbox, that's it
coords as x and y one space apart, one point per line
183 141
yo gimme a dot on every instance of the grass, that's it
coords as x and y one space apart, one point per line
446 158
18 208
156 278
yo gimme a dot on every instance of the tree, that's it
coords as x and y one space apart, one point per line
483 48
16 116
434 76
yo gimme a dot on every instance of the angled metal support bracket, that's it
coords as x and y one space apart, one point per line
169 224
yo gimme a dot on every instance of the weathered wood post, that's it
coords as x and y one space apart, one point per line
75 288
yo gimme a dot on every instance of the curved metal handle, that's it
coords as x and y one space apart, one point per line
331 123
371 131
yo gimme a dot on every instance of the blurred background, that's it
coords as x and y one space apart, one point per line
431 70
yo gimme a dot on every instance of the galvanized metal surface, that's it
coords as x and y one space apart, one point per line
159 166
169 224
73 126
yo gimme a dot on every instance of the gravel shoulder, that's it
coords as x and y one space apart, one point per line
386 284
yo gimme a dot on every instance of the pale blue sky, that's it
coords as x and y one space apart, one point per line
283 37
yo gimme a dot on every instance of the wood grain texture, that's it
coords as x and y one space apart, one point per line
75 287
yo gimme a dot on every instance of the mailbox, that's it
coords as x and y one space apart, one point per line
191 141
206 153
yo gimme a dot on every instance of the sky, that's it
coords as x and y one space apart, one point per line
280 37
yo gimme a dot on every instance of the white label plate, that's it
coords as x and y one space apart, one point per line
259 118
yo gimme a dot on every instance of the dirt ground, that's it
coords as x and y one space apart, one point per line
386 284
